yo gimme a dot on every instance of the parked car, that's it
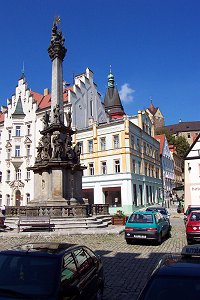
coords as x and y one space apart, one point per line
161 210
146 225
50 271
176 276
188 211
193 227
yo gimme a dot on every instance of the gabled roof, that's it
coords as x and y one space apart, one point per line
197 140
1 117
152 109
44 101
161 139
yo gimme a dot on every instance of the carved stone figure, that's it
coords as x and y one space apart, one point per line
45 120
56 114
39 151
57 146
46 146
77 151
69 118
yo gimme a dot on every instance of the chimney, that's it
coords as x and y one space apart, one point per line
46 91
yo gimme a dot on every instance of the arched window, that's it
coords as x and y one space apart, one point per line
7 199
27 197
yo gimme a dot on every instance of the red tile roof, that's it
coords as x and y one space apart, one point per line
160 138
1 117
45 101
153 109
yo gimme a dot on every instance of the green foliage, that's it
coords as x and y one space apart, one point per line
180 142
182 146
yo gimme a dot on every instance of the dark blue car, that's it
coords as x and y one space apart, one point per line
175 277
50 271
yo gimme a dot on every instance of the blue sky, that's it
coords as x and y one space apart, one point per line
152 45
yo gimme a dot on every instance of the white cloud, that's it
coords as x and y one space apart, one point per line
126 93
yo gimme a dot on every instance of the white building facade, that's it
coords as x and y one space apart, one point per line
123 165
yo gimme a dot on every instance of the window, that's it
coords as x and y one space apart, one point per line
81 147
117 166
18 131
103 143
27 197
9 134
69 270
91 168
133 165
152 171
90 146
8 153
7 199
145 148
84 261
91 108
132 142
139 167
138 144
0 176
0 199
18 174
28 129
17 151
116 141
28 150
145 169
28 175
103 167
188 135
8 175
157 172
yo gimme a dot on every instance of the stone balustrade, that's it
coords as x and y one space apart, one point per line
78 211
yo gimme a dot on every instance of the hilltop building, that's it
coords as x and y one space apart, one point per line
189 130
156 116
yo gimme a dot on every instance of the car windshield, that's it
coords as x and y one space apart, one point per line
166 288
195 216
28 276
160 210
139 218
189 210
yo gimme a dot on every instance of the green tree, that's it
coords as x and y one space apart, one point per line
180 142
182 146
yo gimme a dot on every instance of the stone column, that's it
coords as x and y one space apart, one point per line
57 53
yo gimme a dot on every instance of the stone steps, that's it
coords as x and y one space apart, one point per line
100 221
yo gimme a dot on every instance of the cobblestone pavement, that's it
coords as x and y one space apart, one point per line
127 267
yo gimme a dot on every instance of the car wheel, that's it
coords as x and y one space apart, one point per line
159 239
129 241
169 234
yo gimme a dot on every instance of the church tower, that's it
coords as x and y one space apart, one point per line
112 102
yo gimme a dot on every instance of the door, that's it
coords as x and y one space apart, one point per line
17 198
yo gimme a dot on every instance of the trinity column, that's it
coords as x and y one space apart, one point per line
57 170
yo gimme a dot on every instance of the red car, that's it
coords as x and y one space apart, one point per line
193 227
